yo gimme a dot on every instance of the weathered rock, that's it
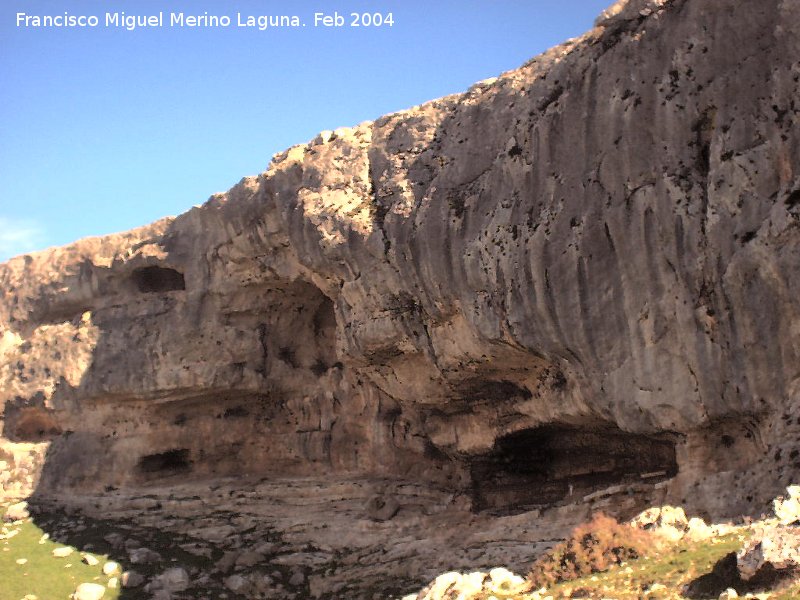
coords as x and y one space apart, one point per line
89 591
17 512
172 580
237 583
571 287
131 579
787 508
90 560
773 547
498 583
110 568
139 556
63 552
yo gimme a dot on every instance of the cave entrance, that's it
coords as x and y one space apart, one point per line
560 463
149 280
164 464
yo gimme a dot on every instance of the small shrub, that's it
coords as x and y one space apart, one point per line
591 548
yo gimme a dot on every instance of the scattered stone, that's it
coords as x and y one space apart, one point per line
697 530
113 583
90 560
226 563
787 508
22 561
132 579
115 540
729 594
175 579
498 583
773 547
140 556
63 552
110 568
17 512
89 591
249 558
236 583
504 582
381 507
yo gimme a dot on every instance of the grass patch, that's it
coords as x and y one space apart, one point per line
43 575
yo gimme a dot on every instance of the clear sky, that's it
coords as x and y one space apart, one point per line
103 129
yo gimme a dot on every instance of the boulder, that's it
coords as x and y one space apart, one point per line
787 508
110 568
773 547
131 579
89 591
17 512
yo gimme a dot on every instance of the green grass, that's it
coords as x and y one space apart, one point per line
43 575
673 568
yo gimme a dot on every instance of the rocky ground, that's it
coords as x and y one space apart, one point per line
49 553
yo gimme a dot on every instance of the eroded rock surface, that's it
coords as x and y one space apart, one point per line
570 287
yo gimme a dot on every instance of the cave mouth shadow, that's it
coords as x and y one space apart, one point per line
560 463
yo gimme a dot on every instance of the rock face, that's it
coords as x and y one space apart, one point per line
574 285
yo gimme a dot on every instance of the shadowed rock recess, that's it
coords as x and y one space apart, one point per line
437 340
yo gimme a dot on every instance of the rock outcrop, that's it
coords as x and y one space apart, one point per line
572 286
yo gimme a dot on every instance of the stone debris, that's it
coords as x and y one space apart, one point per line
110 568
90 560
172 580
772 546
670 523
498 583
140 556
63 552
131 579
17 512
787 508
89 591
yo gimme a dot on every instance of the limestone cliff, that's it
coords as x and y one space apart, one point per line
574 281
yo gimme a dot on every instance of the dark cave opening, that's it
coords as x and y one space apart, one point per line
33 425
558 464
153 279
166 463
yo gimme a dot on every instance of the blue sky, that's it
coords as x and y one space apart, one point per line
103 129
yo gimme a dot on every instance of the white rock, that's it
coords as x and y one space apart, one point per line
113 583
698 530
504 583
778 546
89 591
22 561
728 594
787 508
110 568
17 512
63 552
90 560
